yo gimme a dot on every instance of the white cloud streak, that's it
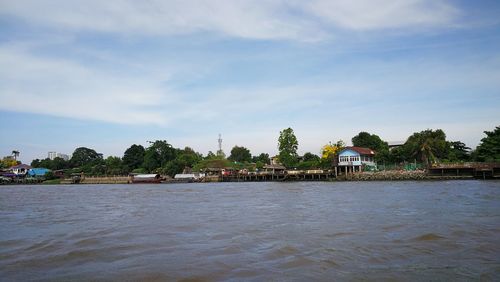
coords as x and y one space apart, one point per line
265 19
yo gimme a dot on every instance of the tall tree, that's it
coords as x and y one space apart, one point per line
459 152
240 154
134 157
287 146
15 154
428 146
84 156
158 154
114 165
489 148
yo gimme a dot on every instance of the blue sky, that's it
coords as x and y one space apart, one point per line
108 74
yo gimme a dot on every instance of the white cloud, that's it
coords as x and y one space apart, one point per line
63 88
383 14
265 19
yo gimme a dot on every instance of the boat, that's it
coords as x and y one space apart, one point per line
145 178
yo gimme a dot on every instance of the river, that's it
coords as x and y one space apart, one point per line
301 231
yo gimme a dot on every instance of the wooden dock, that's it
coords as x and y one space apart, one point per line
289 175
471 170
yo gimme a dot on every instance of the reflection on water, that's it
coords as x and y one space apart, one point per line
252 231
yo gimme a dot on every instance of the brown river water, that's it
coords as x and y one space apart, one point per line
302 231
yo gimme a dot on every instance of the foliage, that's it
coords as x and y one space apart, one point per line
489 148
84 157
427 146
158 154
139 170
134 157
372 141
287 146
329 151
8 162
186 158
262 158
310 157
55 164
114 166
212 163
240 154
459 152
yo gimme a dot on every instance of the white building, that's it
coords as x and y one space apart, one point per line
53 155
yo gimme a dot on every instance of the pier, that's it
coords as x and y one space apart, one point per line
466 170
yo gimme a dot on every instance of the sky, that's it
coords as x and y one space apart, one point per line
109 74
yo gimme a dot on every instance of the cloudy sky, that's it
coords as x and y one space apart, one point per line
108 74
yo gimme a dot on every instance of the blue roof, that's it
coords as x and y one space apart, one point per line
38 171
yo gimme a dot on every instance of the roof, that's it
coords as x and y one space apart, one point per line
25 166
360 150
38 171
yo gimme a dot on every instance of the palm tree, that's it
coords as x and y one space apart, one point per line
15 153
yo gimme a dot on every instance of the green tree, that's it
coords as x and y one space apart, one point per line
35 163
374 142
84 156
186 158
310 157
459 152
263 158
114 166
489 148
240 154
287 146
158 154
134 157
428 146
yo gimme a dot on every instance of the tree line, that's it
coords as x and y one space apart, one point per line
426 147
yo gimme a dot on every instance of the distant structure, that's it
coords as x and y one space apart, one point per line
220 153
53 155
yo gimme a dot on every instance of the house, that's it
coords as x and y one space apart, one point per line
274 168
355 158
20 170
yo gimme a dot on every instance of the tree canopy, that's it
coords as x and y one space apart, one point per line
428 146
83 156
134 156
240 154
287 146
489 148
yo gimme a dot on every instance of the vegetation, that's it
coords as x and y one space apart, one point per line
288 145
240 154
372 141
489 148
425 147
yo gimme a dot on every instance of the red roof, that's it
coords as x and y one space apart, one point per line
361 150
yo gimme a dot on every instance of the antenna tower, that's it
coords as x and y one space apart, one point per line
220 143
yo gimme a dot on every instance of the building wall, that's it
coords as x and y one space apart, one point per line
353 159
350 154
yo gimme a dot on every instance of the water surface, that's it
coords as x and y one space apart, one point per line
442 230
